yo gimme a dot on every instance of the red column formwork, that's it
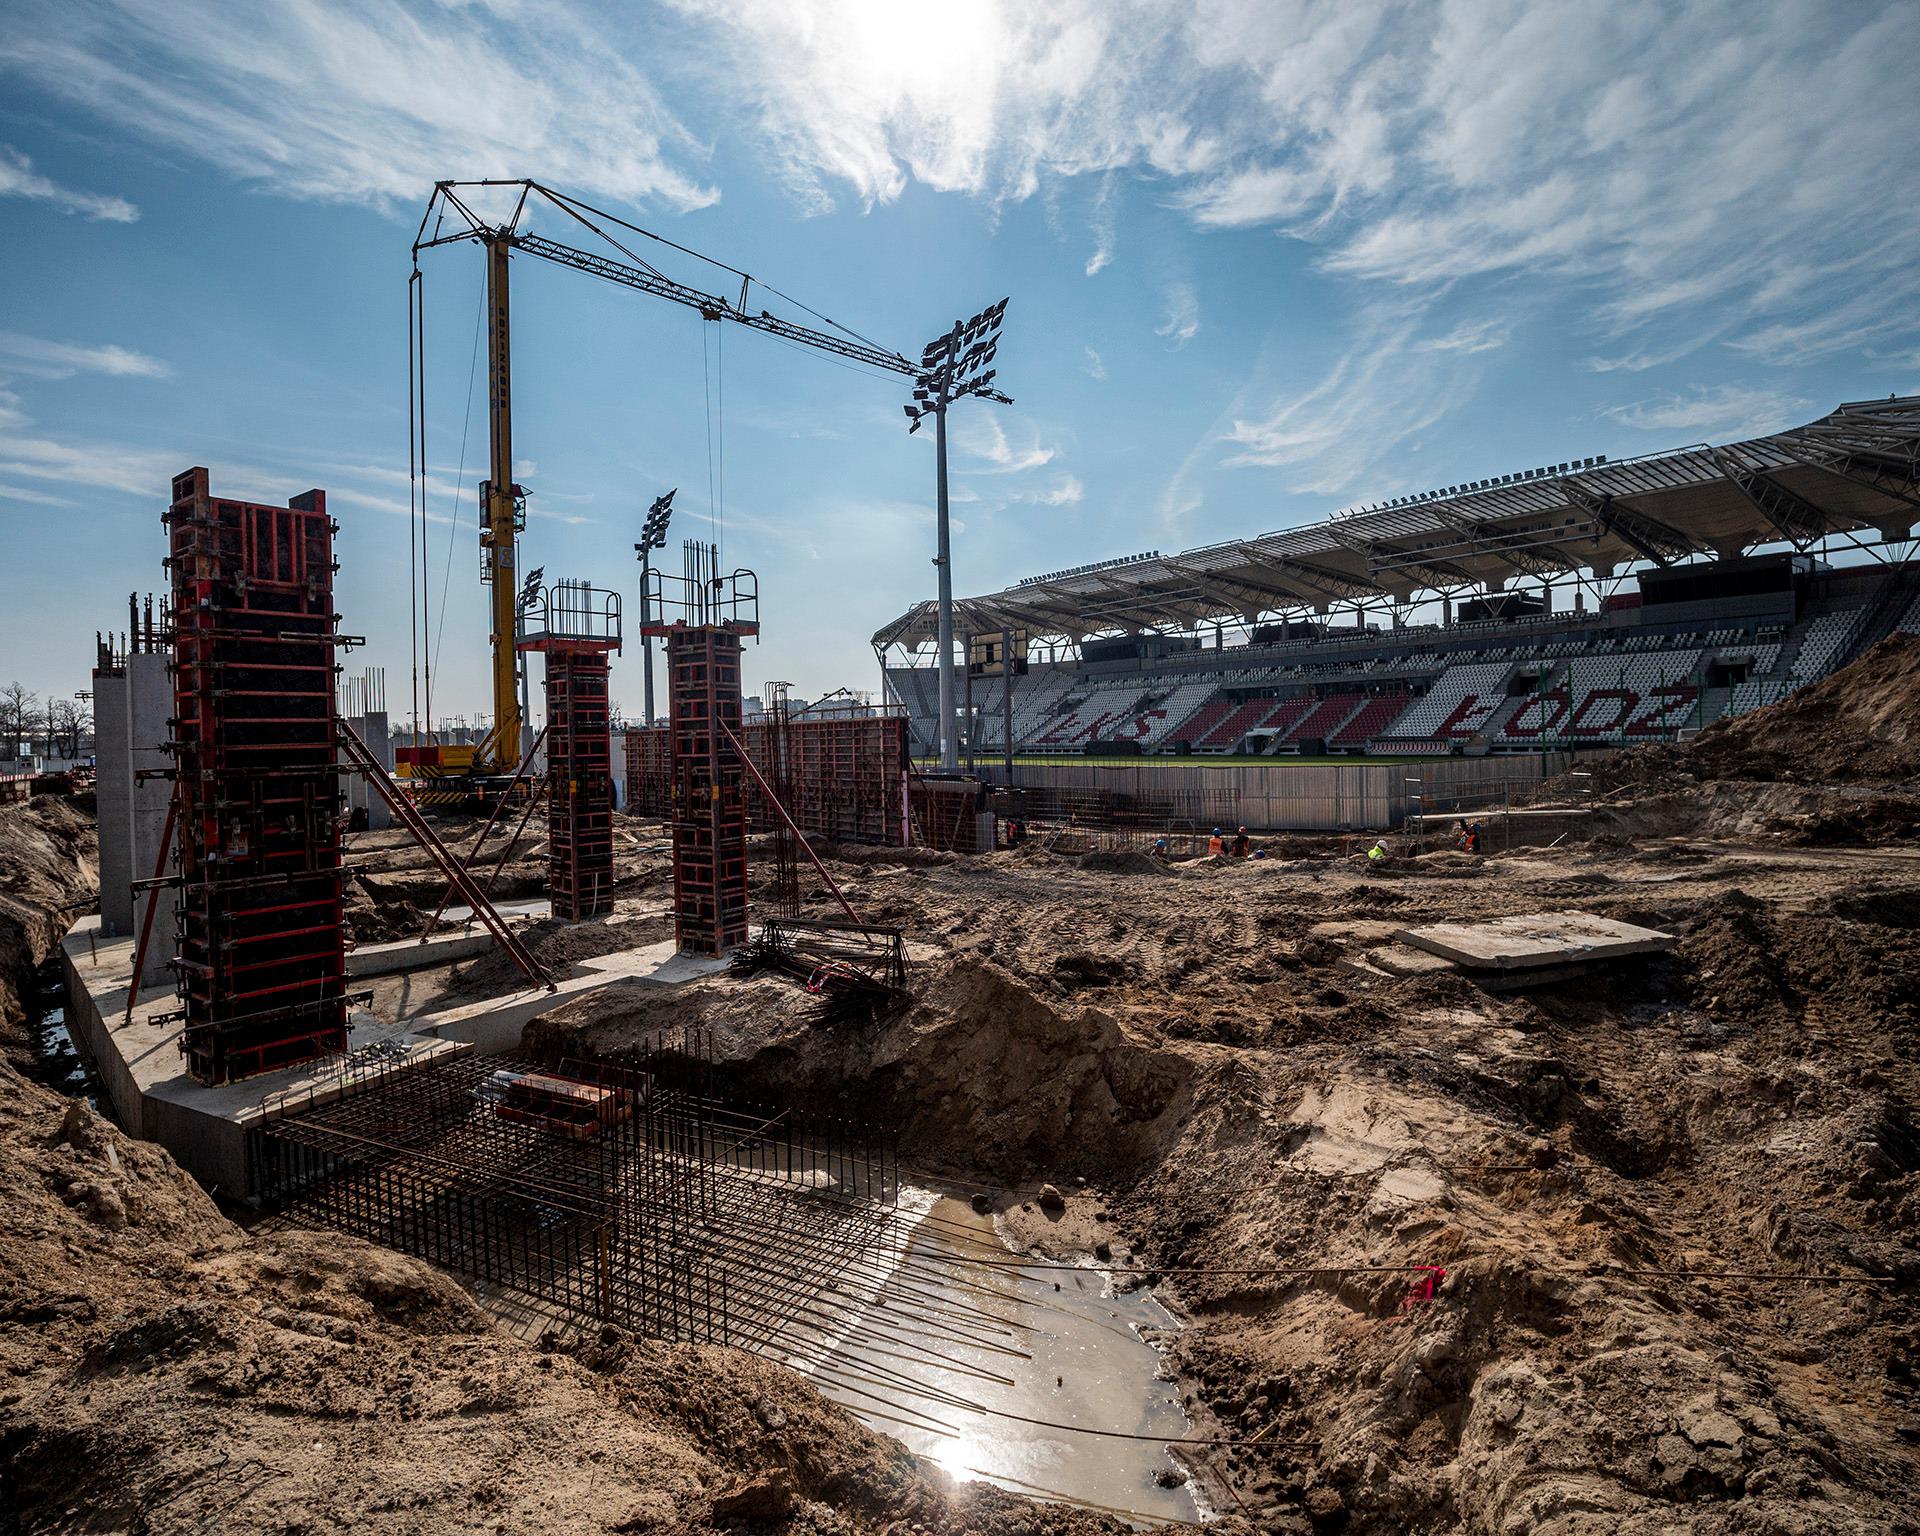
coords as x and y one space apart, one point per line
580 782
709 812
650 770
262 959
849 777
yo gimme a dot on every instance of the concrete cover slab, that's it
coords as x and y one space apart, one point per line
1536 939
1405 960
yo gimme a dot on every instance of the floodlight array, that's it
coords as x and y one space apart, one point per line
956 364
653 532
1494 483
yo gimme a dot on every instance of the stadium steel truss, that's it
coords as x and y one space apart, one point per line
1853 472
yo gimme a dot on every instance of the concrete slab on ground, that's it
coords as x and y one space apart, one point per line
414 954
494 1023
138 1062
1405 960
1535 939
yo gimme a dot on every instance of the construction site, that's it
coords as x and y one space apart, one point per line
1405 1024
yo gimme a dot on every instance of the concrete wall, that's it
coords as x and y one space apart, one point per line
131 710
114 795
1294 797
149 708
373 729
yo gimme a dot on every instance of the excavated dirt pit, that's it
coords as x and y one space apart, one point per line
1635 1254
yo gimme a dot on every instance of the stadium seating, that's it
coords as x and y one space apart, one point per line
1324 719
1456 706
1825 640
1592 680
1373 715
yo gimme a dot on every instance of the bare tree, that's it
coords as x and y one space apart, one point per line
20 718
68 721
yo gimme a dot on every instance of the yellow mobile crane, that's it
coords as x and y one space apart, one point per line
951 366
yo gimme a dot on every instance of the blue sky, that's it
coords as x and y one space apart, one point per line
1267 260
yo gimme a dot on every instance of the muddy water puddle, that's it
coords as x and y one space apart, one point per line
1037 1381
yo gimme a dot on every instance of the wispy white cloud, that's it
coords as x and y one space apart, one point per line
1725 410
366 100
1470 337
99 465
986 440
1096 364
1064 491
59 359
1390 385
1182 322
1632 158
36 498
1105 222
18 178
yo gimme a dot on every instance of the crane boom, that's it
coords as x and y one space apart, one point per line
713 306
503 502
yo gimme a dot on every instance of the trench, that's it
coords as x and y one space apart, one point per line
56 1060
1044 1383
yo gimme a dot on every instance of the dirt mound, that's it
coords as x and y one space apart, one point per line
1122 861
1859 726
49 867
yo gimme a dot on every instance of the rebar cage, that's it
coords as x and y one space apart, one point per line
615 1191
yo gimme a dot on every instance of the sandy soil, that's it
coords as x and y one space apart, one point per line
1620 1185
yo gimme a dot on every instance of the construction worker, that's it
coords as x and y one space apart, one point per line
1216 845
1473 838
1377 855
1242 844
1160 849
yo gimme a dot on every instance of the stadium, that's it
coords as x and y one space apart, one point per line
1589 604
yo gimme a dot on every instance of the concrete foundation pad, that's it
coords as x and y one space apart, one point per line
415 954
1537 939
402 955
139 1064
143 1073
1405 960
494 1023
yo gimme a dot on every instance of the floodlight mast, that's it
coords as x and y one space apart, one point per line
949 373
653 535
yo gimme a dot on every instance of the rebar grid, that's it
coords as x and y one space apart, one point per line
657 1208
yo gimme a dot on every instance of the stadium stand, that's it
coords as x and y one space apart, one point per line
1457 705
1708 610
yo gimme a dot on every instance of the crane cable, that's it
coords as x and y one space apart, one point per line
713 380
459 479
413 489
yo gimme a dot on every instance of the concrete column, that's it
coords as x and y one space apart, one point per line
149 707
377 733
619 766
113 793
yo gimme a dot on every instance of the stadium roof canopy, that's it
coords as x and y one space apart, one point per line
1854 470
